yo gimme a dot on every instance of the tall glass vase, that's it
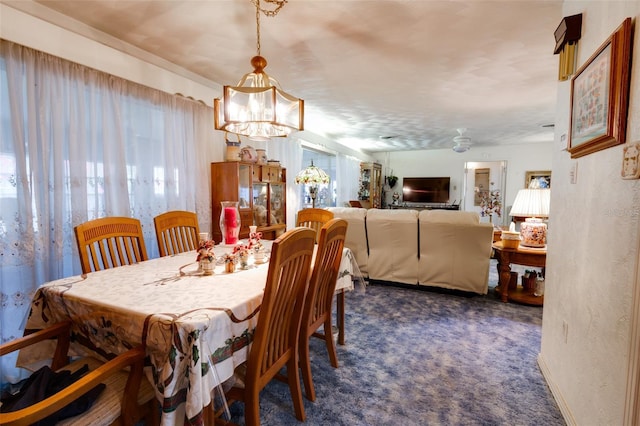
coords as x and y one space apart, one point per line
230 222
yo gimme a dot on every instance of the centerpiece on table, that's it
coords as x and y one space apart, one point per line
206 258
256 246
230 222
242 251
230 261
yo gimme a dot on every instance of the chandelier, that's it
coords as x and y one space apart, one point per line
312 176
257 107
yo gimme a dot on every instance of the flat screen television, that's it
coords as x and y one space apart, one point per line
425 189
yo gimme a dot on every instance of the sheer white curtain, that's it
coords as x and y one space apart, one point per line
348 177
77 144
289 152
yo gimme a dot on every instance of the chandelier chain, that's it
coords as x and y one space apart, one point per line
279 4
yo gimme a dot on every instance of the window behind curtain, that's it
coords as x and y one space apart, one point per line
326 193
78 144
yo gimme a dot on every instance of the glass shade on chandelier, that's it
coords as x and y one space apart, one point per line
312 176
532 204
257 107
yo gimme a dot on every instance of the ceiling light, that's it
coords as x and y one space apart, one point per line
462 142
257 107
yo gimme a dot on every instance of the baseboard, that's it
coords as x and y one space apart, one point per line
555 391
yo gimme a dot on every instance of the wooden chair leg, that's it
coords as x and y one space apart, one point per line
305 366
331 346
295 389
252 408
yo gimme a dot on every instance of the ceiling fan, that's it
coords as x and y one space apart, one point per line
462 142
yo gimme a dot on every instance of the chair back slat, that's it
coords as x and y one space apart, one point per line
176 232
110 242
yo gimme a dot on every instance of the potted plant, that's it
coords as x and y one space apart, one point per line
391 180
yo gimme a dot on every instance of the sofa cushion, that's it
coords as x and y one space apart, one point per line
393 245
449 216
356 238
455 252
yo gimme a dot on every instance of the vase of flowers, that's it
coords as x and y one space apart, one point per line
206 258
242 252
491 204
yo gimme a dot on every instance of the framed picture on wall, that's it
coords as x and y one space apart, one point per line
599 96
538 179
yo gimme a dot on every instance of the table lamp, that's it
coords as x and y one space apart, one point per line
312 176
532 204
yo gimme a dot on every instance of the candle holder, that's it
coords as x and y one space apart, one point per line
230 222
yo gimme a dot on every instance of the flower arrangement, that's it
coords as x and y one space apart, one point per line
205 251
491 204
254 241
230 258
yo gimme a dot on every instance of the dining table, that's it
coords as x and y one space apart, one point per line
196 328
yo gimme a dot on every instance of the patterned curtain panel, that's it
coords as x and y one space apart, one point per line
78 144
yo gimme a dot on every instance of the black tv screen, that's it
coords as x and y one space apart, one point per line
425 189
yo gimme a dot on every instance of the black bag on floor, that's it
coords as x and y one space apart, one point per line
44 383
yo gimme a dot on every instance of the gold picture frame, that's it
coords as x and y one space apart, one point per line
600 96
542 178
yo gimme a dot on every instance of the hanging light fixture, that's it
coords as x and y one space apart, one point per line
462 142
312 176
257 107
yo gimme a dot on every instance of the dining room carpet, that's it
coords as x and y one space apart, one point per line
416 357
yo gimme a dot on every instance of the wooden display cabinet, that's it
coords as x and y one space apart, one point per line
260 192
371 184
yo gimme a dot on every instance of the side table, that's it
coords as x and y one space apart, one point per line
521 256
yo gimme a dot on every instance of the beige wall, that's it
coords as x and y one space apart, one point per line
593 251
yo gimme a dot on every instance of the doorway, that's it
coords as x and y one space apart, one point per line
483 190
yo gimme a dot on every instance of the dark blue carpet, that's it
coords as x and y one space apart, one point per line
416 357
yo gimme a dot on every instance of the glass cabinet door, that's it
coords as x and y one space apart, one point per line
244 185
260 204
277 204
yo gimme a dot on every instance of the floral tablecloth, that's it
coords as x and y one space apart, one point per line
197 328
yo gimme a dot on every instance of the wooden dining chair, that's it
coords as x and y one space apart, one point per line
176 231
314 219
319 300
109 242
275 342
126 399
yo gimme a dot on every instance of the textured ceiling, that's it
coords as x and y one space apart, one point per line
375 75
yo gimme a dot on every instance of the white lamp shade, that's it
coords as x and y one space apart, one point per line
531 203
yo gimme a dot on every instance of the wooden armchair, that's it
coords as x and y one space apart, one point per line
176 231
319 299
109 242
314 219
126 399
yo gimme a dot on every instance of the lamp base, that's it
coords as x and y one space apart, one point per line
534 233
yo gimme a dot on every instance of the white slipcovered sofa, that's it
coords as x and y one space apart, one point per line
438 248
